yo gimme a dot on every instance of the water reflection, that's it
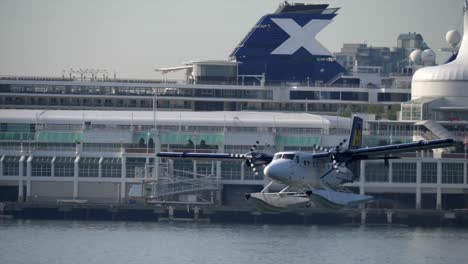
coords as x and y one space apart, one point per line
27 241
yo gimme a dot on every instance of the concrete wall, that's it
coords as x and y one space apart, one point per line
47 191
8 183
98 192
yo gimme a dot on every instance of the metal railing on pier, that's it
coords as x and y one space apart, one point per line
161 189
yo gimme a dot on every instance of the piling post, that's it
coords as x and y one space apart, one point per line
196 213
363 216
170 210
389 216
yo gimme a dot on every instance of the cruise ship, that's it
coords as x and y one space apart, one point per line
271 69
87 137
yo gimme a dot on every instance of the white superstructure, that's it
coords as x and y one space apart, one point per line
448 80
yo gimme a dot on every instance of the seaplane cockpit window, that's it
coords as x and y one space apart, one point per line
289 156
277 156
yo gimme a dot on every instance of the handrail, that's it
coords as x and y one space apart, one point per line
184 186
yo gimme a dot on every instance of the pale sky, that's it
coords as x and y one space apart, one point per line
43 37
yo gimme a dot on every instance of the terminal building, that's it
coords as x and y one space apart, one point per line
97 156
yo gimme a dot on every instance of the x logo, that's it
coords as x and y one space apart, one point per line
301 36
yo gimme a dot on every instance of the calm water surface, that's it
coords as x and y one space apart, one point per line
32 241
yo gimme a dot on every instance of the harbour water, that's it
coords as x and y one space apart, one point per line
45 241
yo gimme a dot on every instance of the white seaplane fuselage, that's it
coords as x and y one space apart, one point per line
299 169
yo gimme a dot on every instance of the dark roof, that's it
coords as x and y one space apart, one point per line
300 8
410 35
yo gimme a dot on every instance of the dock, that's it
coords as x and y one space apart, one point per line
222 214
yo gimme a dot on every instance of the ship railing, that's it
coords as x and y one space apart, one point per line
228 82
334 79
34 78
143 150
74 78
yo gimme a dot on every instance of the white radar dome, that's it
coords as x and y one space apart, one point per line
453 37
415 56
428 57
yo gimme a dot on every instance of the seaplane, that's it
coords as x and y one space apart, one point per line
314 179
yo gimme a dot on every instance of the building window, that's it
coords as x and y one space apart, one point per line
249 174
11 165
205 169
376 172
231 170
452 172
429 172
103 147
64 167
111 167
183 168
56 146
404 172
41 166
136 167
88 167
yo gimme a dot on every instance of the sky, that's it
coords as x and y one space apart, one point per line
133 37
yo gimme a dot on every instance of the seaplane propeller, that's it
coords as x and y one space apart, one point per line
334 153
256 159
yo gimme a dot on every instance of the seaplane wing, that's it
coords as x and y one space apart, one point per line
383 152
197 155
251 158
355 151
257 156
401 148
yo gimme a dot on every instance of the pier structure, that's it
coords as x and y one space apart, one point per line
94 157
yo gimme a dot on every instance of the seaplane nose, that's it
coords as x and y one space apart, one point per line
278 170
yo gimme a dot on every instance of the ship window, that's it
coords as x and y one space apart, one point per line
354 96
288 156
330 95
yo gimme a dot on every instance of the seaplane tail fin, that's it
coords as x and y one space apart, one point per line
355 140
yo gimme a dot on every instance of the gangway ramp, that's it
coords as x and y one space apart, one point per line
161 189
434 130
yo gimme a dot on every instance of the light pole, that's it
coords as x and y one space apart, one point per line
155 102
155 134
